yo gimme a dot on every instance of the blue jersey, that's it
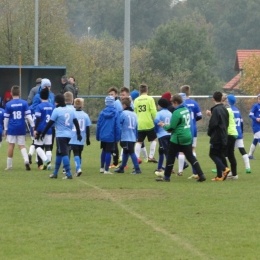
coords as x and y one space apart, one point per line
2 112
63 118
128 126
254 114
196 114
16 110
69 106
84 121
44 111
165 116
118 106
239 121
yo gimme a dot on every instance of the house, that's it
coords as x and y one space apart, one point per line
233 84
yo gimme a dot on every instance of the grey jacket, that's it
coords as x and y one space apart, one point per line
32 93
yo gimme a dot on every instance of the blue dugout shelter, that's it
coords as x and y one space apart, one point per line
9 76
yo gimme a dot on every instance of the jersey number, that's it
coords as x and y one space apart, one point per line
17 114
142 108
67 118
131 121
187 120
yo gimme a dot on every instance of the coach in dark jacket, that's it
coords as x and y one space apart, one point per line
217 130
67 86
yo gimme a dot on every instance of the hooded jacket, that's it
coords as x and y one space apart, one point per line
108 125
218 125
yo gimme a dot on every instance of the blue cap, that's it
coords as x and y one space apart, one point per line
231 99
134 94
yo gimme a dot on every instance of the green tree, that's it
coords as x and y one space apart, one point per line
184 48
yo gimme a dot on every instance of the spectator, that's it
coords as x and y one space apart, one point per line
76 88
7 97
34 91
67 86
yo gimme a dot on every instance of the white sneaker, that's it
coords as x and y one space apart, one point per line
101 170
234 177
8 168
230 176
78 173
63 171
193 176
107 172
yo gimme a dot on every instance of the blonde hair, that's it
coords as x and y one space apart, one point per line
79 103
68 96
224 97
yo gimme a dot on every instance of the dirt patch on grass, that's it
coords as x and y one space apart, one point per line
114 194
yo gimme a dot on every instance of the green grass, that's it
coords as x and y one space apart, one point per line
124 216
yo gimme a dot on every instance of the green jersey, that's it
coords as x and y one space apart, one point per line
232 128
181 126
144 107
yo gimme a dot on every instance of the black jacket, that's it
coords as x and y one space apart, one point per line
218 125
67 87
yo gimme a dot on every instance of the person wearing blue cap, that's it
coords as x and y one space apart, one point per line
108 132
255 116
239 141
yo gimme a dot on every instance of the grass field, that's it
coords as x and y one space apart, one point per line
124 216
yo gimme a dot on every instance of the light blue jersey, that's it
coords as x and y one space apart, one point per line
165 116
128 124
239 121
118 106
84 121
63 118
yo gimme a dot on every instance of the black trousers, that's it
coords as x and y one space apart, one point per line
230 154
174 149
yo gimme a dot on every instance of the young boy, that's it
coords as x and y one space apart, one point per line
108 132
128 122
43 113
16 112
239 141
163 115
84 124
255 116
144 107
63 119
218 132
181 139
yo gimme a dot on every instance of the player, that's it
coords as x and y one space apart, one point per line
255 116
181 139
84 124
144 107
43 113
63 119
128 122
2 111
16 112
108 132
163 115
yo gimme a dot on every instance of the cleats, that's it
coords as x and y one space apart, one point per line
214 170
146 160
107 172
201 178
40 167
101 170
248 170
163 179
53 176
119 170
8 168
217 179
225 173
113 166
234 177
180 174
251 157
136 172
27 167
153 160
185 166
139 160
46 165
78 173
193 176
64 171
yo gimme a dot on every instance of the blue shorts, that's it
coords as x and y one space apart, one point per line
164 142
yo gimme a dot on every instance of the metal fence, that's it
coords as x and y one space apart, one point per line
94 104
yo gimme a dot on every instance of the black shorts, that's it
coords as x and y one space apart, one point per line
63 146
150 134
107 146
164 142
128 147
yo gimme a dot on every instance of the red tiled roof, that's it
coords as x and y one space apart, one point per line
241 55
232 84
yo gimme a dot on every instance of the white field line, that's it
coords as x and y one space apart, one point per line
150 223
